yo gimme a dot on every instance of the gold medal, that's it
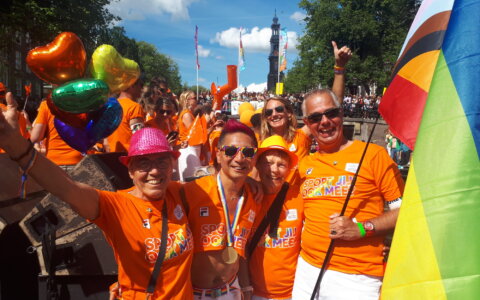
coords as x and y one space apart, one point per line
229 255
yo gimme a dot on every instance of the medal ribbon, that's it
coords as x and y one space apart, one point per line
230 228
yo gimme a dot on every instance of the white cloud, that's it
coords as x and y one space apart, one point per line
257 40
252 87
219 57
202 52
201 79
139 9
298 16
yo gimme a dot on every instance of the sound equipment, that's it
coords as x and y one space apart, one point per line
80 245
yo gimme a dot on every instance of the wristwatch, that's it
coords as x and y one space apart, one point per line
369 228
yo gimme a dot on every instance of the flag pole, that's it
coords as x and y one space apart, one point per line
329 253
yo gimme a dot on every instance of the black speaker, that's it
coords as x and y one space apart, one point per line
80 246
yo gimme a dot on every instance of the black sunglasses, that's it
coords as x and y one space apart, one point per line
329 113
231 151
278 109
163 111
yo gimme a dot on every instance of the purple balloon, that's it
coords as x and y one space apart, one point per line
101 124
105 121
77 138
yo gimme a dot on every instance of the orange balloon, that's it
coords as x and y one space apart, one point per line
246 116
244 107
226 88
62 60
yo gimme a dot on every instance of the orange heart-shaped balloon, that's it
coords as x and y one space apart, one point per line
62 60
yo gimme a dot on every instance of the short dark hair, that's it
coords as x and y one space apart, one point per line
233 126
256 120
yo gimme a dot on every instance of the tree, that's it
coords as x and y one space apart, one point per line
155 64
373 29
44 19
117 37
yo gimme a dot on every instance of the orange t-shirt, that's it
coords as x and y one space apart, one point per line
119 140
213 142
198 135
301 144
57 150
274 260
164 128
133 226
326 180
22 124
207 219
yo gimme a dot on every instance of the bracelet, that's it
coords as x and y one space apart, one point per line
30 147
247 289
23 186
362 229
335 67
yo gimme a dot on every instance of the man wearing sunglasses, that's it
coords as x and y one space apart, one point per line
355 270
221 212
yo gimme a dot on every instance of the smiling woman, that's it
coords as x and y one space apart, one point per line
132 220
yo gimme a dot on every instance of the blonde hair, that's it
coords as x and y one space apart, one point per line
265 129
183 99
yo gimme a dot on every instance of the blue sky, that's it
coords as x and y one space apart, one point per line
170 26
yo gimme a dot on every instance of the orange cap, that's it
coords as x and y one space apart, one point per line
276 142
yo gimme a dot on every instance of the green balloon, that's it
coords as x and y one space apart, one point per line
81 96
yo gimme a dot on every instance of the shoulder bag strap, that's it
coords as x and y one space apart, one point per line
161 252
271 218
186 207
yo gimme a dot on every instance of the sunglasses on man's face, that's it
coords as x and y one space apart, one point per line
278 109
164 111
318 116
231 151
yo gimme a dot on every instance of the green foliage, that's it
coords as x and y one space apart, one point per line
117 37
92 22
201 88
155 64
373 29
44 19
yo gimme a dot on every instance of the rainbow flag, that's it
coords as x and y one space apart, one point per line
196 47
282 59
241 54
436 88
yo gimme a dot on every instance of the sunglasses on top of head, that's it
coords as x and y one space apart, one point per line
278 109
231 151
329 113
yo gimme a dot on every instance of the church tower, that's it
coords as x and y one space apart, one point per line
273 57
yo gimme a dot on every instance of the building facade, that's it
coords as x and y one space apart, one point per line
273 76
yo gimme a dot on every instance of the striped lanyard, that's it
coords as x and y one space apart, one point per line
230 228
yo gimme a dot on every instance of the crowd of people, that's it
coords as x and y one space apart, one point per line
258 225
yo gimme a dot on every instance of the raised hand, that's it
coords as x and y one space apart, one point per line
342 55
8 120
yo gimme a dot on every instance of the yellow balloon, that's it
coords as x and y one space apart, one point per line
259 110
246 116
244 107
108 65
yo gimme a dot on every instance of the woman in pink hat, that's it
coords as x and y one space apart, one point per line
141 224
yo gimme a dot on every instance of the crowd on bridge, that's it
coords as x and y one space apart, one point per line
221 209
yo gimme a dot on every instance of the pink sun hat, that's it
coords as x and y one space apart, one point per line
148 141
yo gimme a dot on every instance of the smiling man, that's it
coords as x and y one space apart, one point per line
221 214
356 268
